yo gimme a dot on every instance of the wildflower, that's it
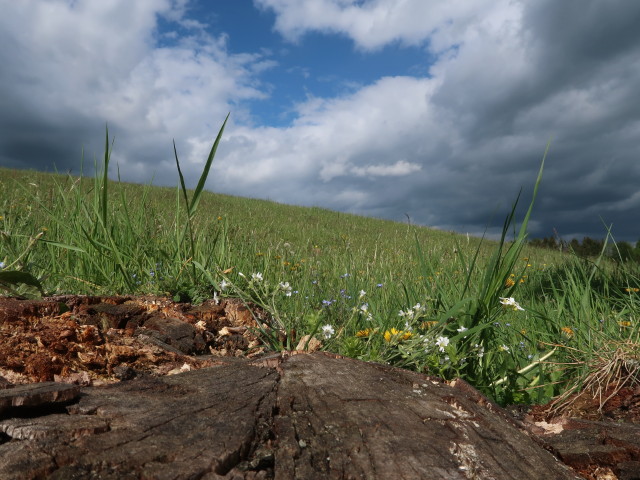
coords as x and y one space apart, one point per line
364 333
379 285
624 323
256 277
442 342
326 303
224 284
395 333
429 324
567 331
462 329
510 302
362 294
241 275
346 275
509 283
632 290
407 326
504 348
364 307
327 331
286 288
2 265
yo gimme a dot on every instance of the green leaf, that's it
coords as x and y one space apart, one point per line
14 277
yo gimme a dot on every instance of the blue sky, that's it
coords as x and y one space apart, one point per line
315 65
387 108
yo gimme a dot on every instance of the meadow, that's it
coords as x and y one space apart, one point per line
521 324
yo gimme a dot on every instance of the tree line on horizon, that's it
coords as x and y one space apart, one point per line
589 247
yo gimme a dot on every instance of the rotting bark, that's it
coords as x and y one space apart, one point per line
305 416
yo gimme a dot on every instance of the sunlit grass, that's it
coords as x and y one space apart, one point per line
411 296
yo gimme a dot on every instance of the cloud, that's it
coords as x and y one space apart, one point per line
509 77
374 24
70 67
451 148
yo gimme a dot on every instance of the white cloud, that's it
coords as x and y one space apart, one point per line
373 24
447 148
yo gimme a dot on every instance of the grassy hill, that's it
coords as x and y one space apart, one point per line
517 322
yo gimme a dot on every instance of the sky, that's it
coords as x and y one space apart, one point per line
433 112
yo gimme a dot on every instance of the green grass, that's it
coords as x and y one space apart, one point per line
342 278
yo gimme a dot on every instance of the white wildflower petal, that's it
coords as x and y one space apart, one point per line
442 342
327 331
362 293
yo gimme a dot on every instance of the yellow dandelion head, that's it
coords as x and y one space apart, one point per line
567 331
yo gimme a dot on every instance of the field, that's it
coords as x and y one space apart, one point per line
519 323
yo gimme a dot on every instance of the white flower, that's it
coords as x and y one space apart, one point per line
327 331
2 265
417 307
257 277
510 302
286 288
442 342
241 275
224 284
362 294
504 348
462 329
364 307
408 327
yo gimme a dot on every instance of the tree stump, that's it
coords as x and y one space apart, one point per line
305 416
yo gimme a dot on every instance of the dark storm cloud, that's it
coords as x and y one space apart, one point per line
451 149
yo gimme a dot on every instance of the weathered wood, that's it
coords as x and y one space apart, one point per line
37 394
304 416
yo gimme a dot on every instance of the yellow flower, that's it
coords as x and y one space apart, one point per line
567 331
632 290
624 323
394 333
509 283
429 324
365 333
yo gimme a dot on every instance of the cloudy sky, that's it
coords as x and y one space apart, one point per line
436 110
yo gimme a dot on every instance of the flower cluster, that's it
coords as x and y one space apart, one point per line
510 302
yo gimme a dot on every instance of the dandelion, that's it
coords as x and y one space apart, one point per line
442 342
394 333
567 332
327 331
428 324
510 302
365 333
